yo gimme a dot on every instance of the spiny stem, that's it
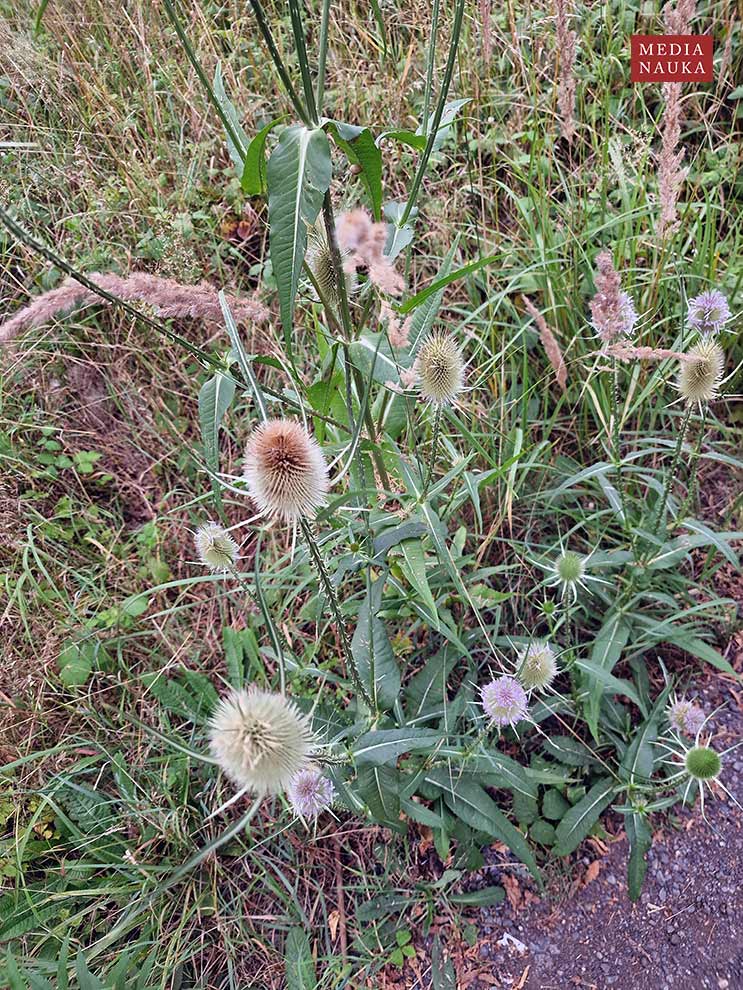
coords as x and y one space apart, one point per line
615 442
693 484
327 585
434 449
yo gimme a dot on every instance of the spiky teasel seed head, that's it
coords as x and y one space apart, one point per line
702 763
684 716
309 793
319 258
701 373
285 469
260 740
537 666
708 311
215 547
440 368
504 701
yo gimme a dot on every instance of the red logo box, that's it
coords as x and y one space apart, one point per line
671 58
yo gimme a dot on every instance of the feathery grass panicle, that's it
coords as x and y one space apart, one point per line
169 299
671 174
215 547
310 793
398 330
626 352
286 470
260 740
440 368
701 373
537 666
504 701
612 310
549 343
362 243
708 311
567 43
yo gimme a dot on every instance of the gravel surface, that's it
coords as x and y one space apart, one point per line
686 931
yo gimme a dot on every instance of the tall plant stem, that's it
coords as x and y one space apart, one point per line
616 441
446 82
304 66
674 468
692 487
434 450
273 51
327 585
324 24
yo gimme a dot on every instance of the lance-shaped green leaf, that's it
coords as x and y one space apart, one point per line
413 566
372 650
298 175
215 397
361 149
253 178
579 821
380 789
300 966
640 839
237 140
385 745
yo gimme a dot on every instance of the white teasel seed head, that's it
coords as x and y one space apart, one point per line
440 368
260 740
286 471
215 547
537 666
701 373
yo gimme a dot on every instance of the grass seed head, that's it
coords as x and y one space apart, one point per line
260 740
440 368
215 547
285 470
700 375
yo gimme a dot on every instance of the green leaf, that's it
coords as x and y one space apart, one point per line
471 803
479 898
299 171
641 754
372 650
380 789
413 567
300 966
443 976
542 832
76 663
253 179
427 689
554 805
243 360
568 750
361 149
386 745
579 821
640 840
215 398
233 656
237 151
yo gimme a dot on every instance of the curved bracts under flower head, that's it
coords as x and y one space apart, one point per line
260 740
286 471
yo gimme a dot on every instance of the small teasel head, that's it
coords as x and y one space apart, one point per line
440 368
700 374
568 571
708 311
286 471
537 666
684 716
702 763
310 793
260 740
504 701
215 547
319 258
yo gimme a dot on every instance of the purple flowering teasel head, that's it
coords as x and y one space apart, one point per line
684 716
310 793
708 311
504 701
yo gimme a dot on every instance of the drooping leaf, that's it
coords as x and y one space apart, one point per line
253 179
640 838
238 151
215 398
361 149
380 789
413 566
581 818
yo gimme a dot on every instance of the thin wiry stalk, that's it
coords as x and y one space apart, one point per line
616 441
327 585
429 67
693 484
304 66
